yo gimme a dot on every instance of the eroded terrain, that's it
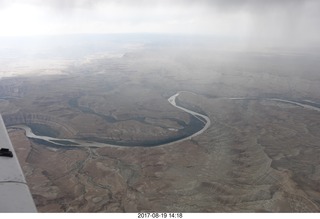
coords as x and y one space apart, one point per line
251 159
258 155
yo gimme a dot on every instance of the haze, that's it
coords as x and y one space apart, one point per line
269 22
164 105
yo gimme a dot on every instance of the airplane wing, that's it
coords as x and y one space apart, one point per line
15 195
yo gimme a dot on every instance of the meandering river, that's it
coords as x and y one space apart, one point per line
172 100
82 143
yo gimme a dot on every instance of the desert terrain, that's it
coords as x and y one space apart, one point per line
258 155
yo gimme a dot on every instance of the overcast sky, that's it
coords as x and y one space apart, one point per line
294 21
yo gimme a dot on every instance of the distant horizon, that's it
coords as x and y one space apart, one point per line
209 41
273 22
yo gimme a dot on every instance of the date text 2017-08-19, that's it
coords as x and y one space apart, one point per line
160 215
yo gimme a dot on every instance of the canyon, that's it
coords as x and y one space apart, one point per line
258 154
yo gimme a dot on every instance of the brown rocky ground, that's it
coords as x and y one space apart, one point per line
258 156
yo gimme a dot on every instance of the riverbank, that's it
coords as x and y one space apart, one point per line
197 125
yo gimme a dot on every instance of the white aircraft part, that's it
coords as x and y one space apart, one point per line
15 195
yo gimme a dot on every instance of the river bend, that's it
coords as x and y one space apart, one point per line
83 143
172 100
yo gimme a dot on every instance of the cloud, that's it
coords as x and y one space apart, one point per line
274 21
222 4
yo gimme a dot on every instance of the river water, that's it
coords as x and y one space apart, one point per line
172 100
82 143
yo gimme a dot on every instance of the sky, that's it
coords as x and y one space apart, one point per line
282 21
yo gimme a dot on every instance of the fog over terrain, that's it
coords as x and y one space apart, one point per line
164 105
256 22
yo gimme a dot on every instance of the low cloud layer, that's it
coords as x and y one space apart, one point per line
287 21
